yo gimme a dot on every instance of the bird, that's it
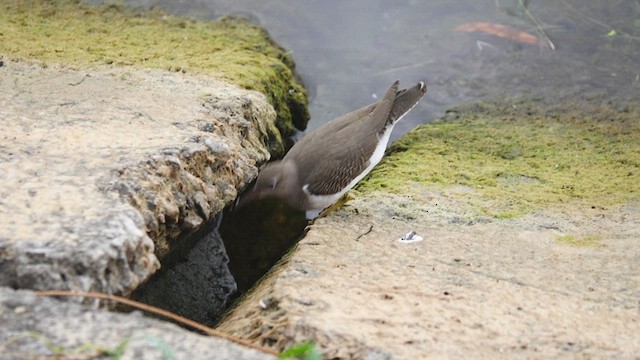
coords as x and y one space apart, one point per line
326 163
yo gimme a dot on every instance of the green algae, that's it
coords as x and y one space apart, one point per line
519 159
587 241
72 33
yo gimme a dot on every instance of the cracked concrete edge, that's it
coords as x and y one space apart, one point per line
33 327
93 170
272 315
180 188
269 316
118 263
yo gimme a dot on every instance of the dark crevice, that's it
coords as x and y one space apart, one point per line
222 260
256 236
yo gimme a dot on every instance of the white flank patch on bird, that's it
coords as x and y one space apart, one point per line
324 201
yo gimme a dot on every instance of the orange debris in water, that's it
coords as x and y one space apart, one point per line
502 31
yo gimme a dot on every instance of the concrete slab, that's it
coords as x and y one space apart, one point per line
95 164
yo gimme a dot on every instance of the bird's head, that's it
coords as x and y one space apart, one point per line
278 179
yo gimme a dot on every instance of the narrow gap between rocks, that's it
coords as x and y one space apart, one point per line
257 236
221 261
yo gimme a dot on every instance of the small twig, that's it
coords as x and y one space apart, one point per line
538 24
79 82
152 309
400 68
365 233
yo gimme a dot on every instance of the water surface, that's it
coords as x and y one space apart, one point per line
349 52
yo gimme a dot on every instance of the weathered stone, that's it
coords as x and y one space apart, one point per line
194 282
92 171
33 327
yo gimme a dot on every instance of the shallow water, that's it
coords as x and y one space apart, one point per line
347 52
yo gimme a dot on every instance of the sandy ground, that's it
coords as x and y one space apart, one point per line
473 288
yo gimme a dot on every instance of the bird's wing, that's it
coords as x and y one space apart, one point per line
336 169
348 142
346 146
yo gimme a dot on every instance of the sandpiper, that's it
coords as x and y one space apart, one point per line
326 163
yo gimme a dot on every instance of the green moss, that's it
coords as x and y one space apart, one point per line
588 241
518 161
69 32
506 215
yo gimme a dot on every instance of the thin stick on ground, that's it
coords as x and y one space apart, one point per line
538 24
152 309
400 68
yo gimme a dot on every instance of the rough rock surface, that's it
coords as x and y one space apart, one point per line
191 283
93 165
477 287
33 327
